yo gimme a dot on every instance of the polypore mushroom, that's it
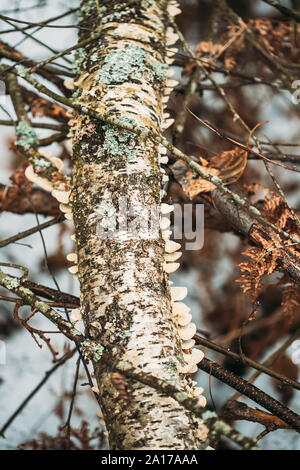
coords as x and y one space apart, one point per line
197 391
171 51
188 344
171 246
168 91
69 216
61 196
165 223
180 308
188 331
194 357
73 269
162 150
173 9
178 293
76 315
172 39
34 178
183 319
187 369
65 209
202 402
72 257
167 123
166 208
69 84
166 234
170 60
171 267
171 83
171 257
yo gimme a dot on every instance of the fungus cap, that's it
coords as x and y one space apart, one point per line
171 267
167 123
65 208
166 208
34 178
197 392
180 308
76 315
163 160
73 269
178 293
183 319
72 257
166 234
187 369
188 344
194 357
171 257
165 223
61 196
187 332
171 246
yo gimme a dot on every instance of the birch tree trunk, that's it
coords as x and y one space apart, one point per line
125 295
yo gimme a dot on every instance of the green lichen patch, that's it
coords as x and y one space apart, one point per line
209 415
75 95
122 64
118 142
22 71
27 136
172 367
117 16
85 9
78 60
160 71
94 57
26 291
92 351
43 163
11 283
123 335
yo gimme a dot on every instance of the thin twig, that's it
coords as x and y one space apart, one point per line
252 392
68 422
283 9
56 220
146 133
246 360
34 391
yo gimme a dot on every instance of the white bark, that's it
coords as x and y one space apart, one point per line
126 303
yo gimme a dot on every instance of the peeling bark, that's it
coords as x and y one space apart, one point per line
125 297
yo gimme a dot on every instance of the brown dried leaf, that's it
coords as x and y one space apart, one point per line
231 164
42 107
278 37
228 166
192 184
290 301
262 262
